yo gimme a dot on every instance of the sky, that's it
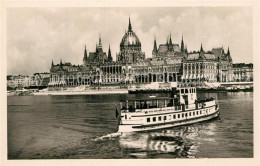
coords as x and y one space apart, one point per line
36 36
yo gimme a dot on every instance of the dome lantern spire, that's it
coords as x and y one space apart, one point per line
129 25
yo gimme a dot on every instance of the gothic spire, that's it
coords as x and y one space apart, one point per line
201 48
154 45
85 58
228 52
129 25
99 41
182 45
52 63
110 59
170 41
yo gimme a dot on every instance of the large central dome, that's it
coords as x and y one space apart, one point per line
130 48
130 39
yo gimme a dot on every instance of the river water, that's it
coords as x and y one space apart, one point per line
44 127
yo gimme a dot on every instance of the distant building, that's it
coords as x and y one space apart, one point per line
66 74
169 50
169 63
243 72
99 55
211 66
41 79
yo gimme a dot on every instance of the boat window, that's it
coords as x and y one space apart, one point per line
200 112
137 104
154 119
170 117
182 90
161 103
190 113
182 114
190 90
159 118
125 116
174 116
148 119
164 117
149 104
194 113
186 91
178 115
197 112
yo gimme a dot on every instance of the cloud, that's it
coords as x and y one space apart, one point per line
35 36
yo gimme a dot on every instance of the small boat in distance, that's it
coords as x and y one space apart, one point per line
181 108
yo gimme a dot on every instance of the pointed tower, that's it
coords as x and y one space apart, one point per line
201 53
170 40
85 58
182 44
109 58
52 63
170 46
129 25
229 56
201 48
99 46
154 52
61 63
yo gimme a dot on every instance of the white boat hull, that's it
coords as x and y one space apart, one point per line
134 128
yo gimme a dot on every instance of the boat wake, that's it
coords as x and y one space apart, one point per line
108 136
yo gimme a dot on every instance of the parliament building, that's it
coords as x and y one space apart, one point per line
169 63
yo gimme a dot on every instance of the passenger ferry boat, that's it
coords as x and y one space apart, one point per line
181 108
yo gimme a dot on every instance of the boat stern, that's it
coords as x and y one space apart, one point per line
125 128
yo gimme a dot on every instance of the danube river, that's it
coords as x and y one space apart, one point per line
43 127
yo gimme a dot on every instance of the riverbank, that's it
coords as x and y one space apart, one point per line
87 92
198 89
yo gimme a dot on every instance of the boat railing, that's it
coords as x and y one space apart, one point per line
209 103
152 110
173 108
190 106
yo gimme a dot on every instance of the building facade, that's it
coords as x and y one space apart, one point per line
210 66
169 63
243 72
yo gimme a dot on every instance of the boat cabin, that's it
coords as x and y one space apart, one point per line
179 96
132 105
186 95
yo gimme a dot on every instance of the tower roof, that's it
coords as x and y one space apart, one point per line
130 38
201 48
129 25
170 41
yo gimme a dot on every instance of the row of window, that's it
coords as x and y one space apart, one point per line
176 116
190 90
